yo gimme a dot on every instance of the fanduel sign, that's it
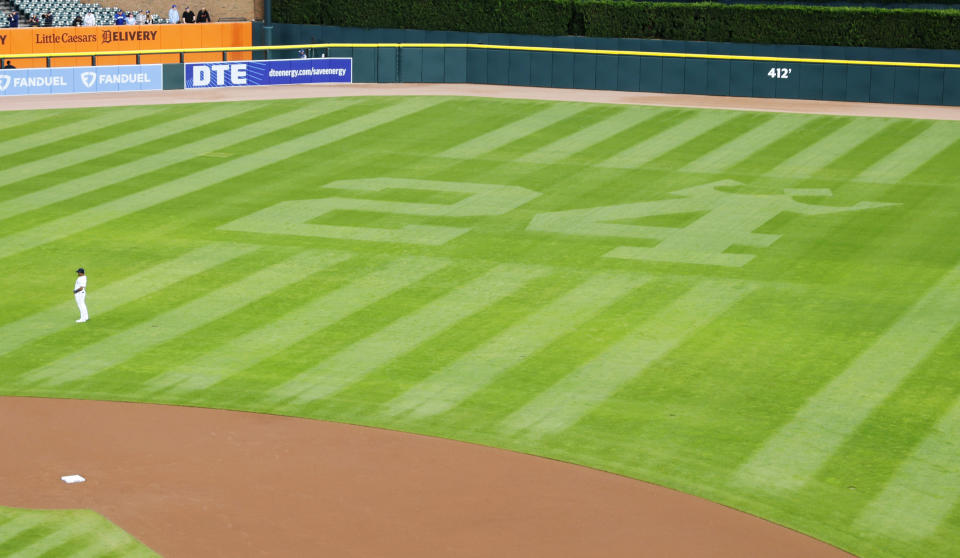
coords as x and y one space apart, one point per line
86 79
268 72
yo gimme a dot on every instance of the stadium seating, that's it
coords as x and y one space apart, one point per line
64 12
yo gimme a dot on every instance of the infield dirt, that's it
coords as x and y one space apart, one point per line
201 482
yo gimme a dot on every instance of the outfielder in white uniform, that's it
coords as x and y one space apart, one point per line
80 294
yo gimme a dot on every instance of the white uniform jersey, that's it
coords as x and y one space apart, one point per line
81 282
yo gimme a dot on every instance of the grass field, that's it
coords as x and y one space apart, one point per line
757 308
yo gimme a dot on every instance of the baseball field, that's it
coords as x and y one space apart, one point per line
757 308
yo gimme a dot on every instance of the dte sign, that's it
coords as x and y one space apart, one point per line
219 75
267 72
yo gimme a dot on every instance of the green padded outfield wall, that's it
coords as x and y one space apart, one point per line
742 78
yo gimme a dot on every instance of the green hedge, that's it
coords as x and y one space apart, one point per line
769 24
541 17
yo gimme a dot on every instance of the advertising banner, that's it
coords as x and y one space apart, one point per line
87 79
268 72
52 40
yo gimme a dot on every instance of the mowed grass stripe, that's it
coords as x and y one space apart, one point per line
14 119
112 295
122 346
729 154
91 533
919 497
831 147
18 524
791 457
112 146
61 534
763 158
573 396
275 153
702 122
503 135
270 339
39 138
564 147
353 363
478 368
912 155
174 154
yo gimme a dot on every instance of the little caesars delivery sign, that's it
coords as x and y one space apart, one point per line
107 37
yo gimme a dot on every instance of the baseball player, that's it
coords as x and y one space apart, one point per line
80 294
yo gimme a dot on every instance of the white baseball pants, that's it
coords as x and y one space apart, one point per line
82 304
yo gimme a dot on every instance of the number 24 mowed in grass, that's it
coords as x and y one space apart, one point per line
728 219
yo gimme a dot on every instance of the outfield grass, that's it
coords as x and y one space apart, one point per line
757 308
80 533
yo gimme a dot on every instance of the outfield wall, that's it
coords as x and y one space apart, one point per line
908 76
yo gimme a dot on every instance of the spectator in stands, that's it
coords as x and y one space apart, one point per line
203 16
149 18
119 18
173 14
77 21
188 15
89 20
141 18
130 19
13 20
34 21
9 66
48 19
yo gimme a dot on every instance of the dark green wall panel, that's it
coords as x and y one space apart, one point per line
562 74
519 72
411 65
951 86
672 75
930 91
584 71
858 84
387 65
881 84
651 74
628 73
498 67
741 78
906 88
476 65
607 72
718 77
365 65
173 76
455 65
834 82
695 76
433 65
541 69
810 77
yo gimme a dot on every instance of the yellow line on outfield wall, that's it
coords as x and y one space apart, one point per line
495 47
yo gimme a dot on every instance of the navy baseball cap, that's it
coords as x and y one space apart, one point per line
80 270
